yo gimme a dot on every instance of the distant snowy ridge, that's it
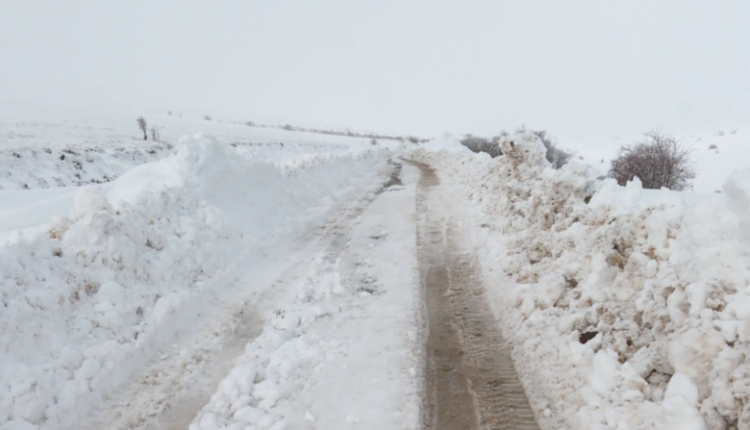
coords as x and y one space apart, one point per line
342 132
627 308
63 149
85 305
34 168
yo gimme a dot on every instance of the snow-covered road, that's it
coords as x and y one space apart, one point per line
342 284
274 304
471 381
159 278
344 325
329 342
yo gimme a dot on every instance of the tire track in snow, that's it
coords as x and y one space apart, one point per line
356 362
168 394
171 391
472 382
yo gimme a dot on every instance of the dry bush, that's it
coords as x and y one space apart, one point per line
142 125
155 136
480 144
557 156
658 161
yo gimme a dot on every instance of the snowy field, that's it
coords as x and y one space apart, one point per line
251 278
60 149
715 154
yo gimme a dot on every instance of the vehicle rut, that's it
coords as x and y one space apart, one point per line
471 382
169 392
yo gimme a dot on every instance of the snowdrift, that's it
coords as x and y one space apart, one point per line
85 304
626 308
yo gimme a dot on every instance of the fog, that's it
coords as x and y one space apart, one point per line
586 70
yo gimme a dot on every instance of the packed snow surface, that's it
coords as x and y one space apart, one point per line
627 308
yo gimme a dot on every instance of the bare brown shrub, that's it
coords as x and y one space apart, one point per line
155 134
480 144
142 125
658 161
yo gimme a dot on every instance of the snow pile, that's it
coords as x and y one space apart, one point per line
278 361
86 304
342 348
627 308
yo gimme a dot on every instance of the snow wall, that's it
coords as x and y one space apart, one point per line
626 308
87 303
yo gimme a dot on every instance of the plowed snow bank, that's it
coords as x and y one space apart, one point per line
89 302
627 308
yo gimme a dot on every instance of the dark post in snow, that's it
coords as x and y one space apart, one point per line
142 125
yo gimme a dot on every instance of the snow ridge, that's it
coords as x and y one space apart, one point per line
88 302
627 308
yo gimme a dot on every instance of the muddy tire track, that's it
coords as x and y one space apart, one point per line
471 382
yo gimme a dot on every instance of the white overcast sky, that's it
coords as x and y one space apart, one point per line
582 69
